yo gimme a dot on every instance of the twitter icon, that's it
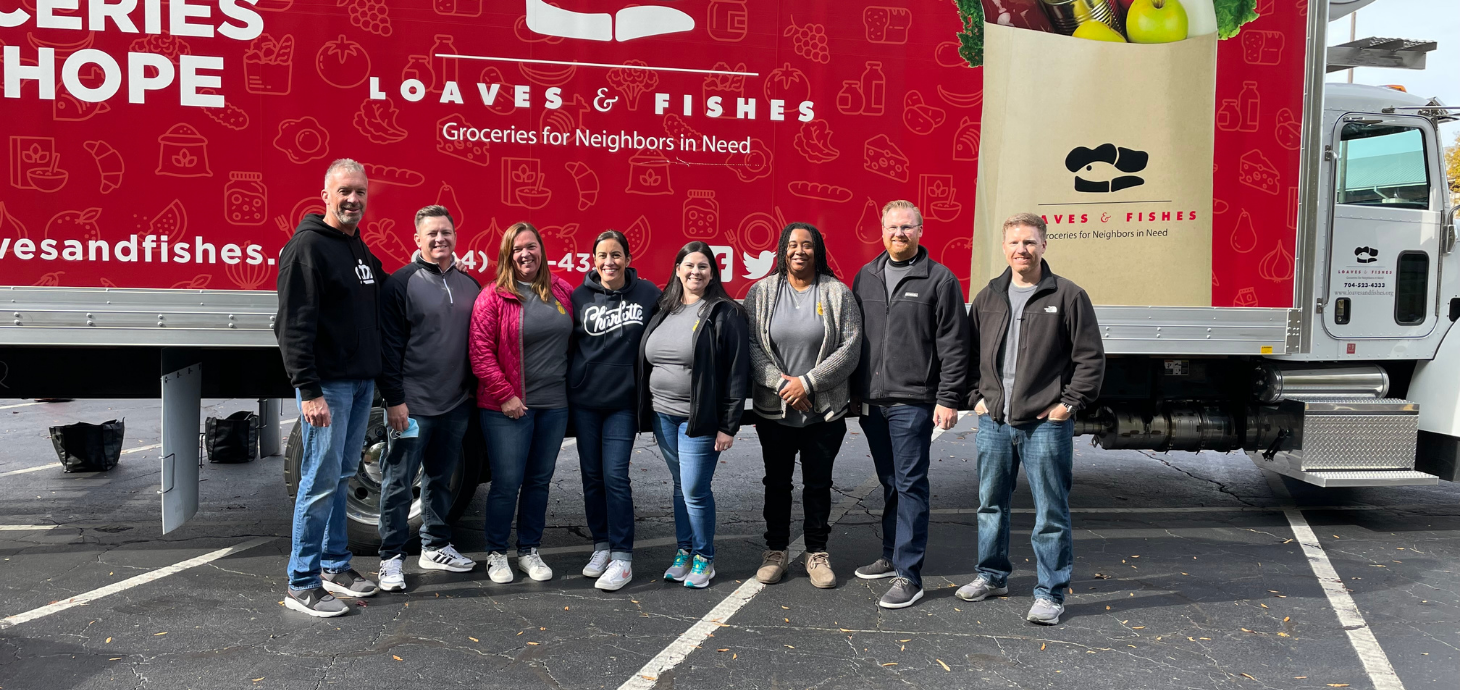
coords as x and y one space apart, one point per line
757 267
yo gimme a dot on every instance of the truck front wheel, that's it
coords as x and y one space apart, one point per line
362 505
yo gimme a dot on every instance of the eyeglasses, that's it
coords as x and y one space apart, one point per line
902 228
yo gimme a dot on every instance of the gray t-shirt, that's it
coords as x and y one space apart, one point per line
671 350
894 273
546 327
1018 297
797 332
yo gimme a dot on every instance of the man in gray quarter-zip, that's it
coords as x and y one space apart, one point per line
427 386
910 377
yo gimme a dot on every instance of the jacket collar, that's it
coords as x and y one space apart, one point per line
1047 278
431 265
919 268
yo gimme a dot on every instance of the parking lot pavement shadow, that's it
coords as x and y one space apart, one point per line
27 662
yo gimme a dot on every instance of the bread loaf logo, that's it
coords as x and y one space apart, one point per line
1097 162
625 25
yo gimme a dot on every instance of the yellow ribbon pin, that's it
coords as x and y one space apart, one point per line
819 312
561 310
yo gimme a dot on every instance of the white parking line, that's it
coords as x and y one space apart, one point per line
11 407
1376 662
38 468
691 639
144 578
26 528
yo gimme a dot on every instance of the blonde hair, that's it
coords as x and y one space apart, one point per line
506 270
902 204
1027 220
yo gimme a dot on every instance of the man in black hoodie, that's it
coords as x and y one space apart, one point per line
329 333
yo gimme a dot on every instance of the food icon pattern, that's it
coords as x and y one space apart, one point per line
887 81
937 197
302 140
376 119
522 180
183 152
701 215
342 63
888 25
34 164
813 142
109 164
171 221
268 66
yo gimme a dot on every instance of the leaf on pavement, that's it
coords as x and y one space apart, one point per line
945 666
396 658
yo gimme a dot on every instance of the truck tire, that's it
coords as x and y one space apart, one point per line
363 504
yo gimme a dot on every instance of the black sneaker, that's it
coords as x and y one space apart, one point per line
879 569
902 595
315 602
348 583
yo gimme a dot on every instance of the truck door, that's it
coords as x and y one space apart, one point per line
1384 251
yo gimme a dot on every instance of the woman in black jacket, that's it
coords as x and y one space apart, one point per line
695 378
613 307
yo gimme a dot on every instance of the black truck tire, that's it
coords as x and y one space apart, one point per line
363 505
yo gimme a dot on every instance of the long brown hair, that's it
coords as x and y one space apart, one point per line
507 271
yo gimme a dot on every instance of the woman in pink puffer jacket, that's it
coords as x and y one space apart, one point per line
519 353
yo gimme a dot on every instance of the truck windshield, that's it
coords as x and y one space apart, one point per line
1383 165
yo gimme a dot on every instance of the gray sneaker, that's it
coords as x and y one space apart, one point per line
680 568
700 574
980 589
315 602
1045 612
348 583
902 594
878 569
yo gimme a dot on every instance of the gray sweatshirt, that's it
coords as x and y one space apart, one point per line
425 316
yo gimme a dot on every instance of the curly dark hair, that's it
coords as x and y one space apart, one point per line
818 244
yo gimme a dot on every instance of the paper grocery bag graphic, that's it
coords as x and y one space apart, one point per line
1111 143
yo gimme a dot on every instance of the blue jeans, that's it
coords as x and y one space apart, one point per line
605 442
523 454
691 463
900 437
437 451
1046 449
331 456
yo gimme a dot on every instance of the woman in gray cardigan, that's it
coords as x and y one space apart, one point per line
805 333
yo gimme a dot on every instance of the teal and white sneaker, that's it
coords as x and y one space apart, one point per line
680 569
701 574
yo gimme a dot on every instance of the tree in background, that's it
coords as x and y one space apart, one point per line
1452 164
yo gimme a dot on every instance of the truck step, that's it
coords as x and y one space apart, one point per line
1335 478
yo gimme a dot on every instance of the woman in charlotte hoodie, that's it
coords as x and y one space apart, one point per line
613 306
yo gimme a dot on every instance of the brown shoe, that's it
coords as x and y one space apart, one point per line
772 567
818 568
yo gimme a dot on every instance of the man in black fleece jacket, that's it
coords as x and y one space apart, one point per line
329 333
910 378
1036 358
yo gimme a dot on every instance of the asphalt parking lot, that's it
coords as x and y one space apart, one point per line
1189 573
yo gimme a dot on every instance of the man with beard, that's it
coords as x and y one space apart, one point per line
329 333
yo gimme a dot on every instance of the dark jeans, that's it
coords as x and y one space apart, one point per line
331 458
524 453
605 442
691 461
900 437
435 453
1046 449
817 443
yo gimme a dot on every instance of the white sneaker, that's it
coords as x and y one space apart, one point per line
445 558
531 564
497 568
597 564
393 575
616 576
